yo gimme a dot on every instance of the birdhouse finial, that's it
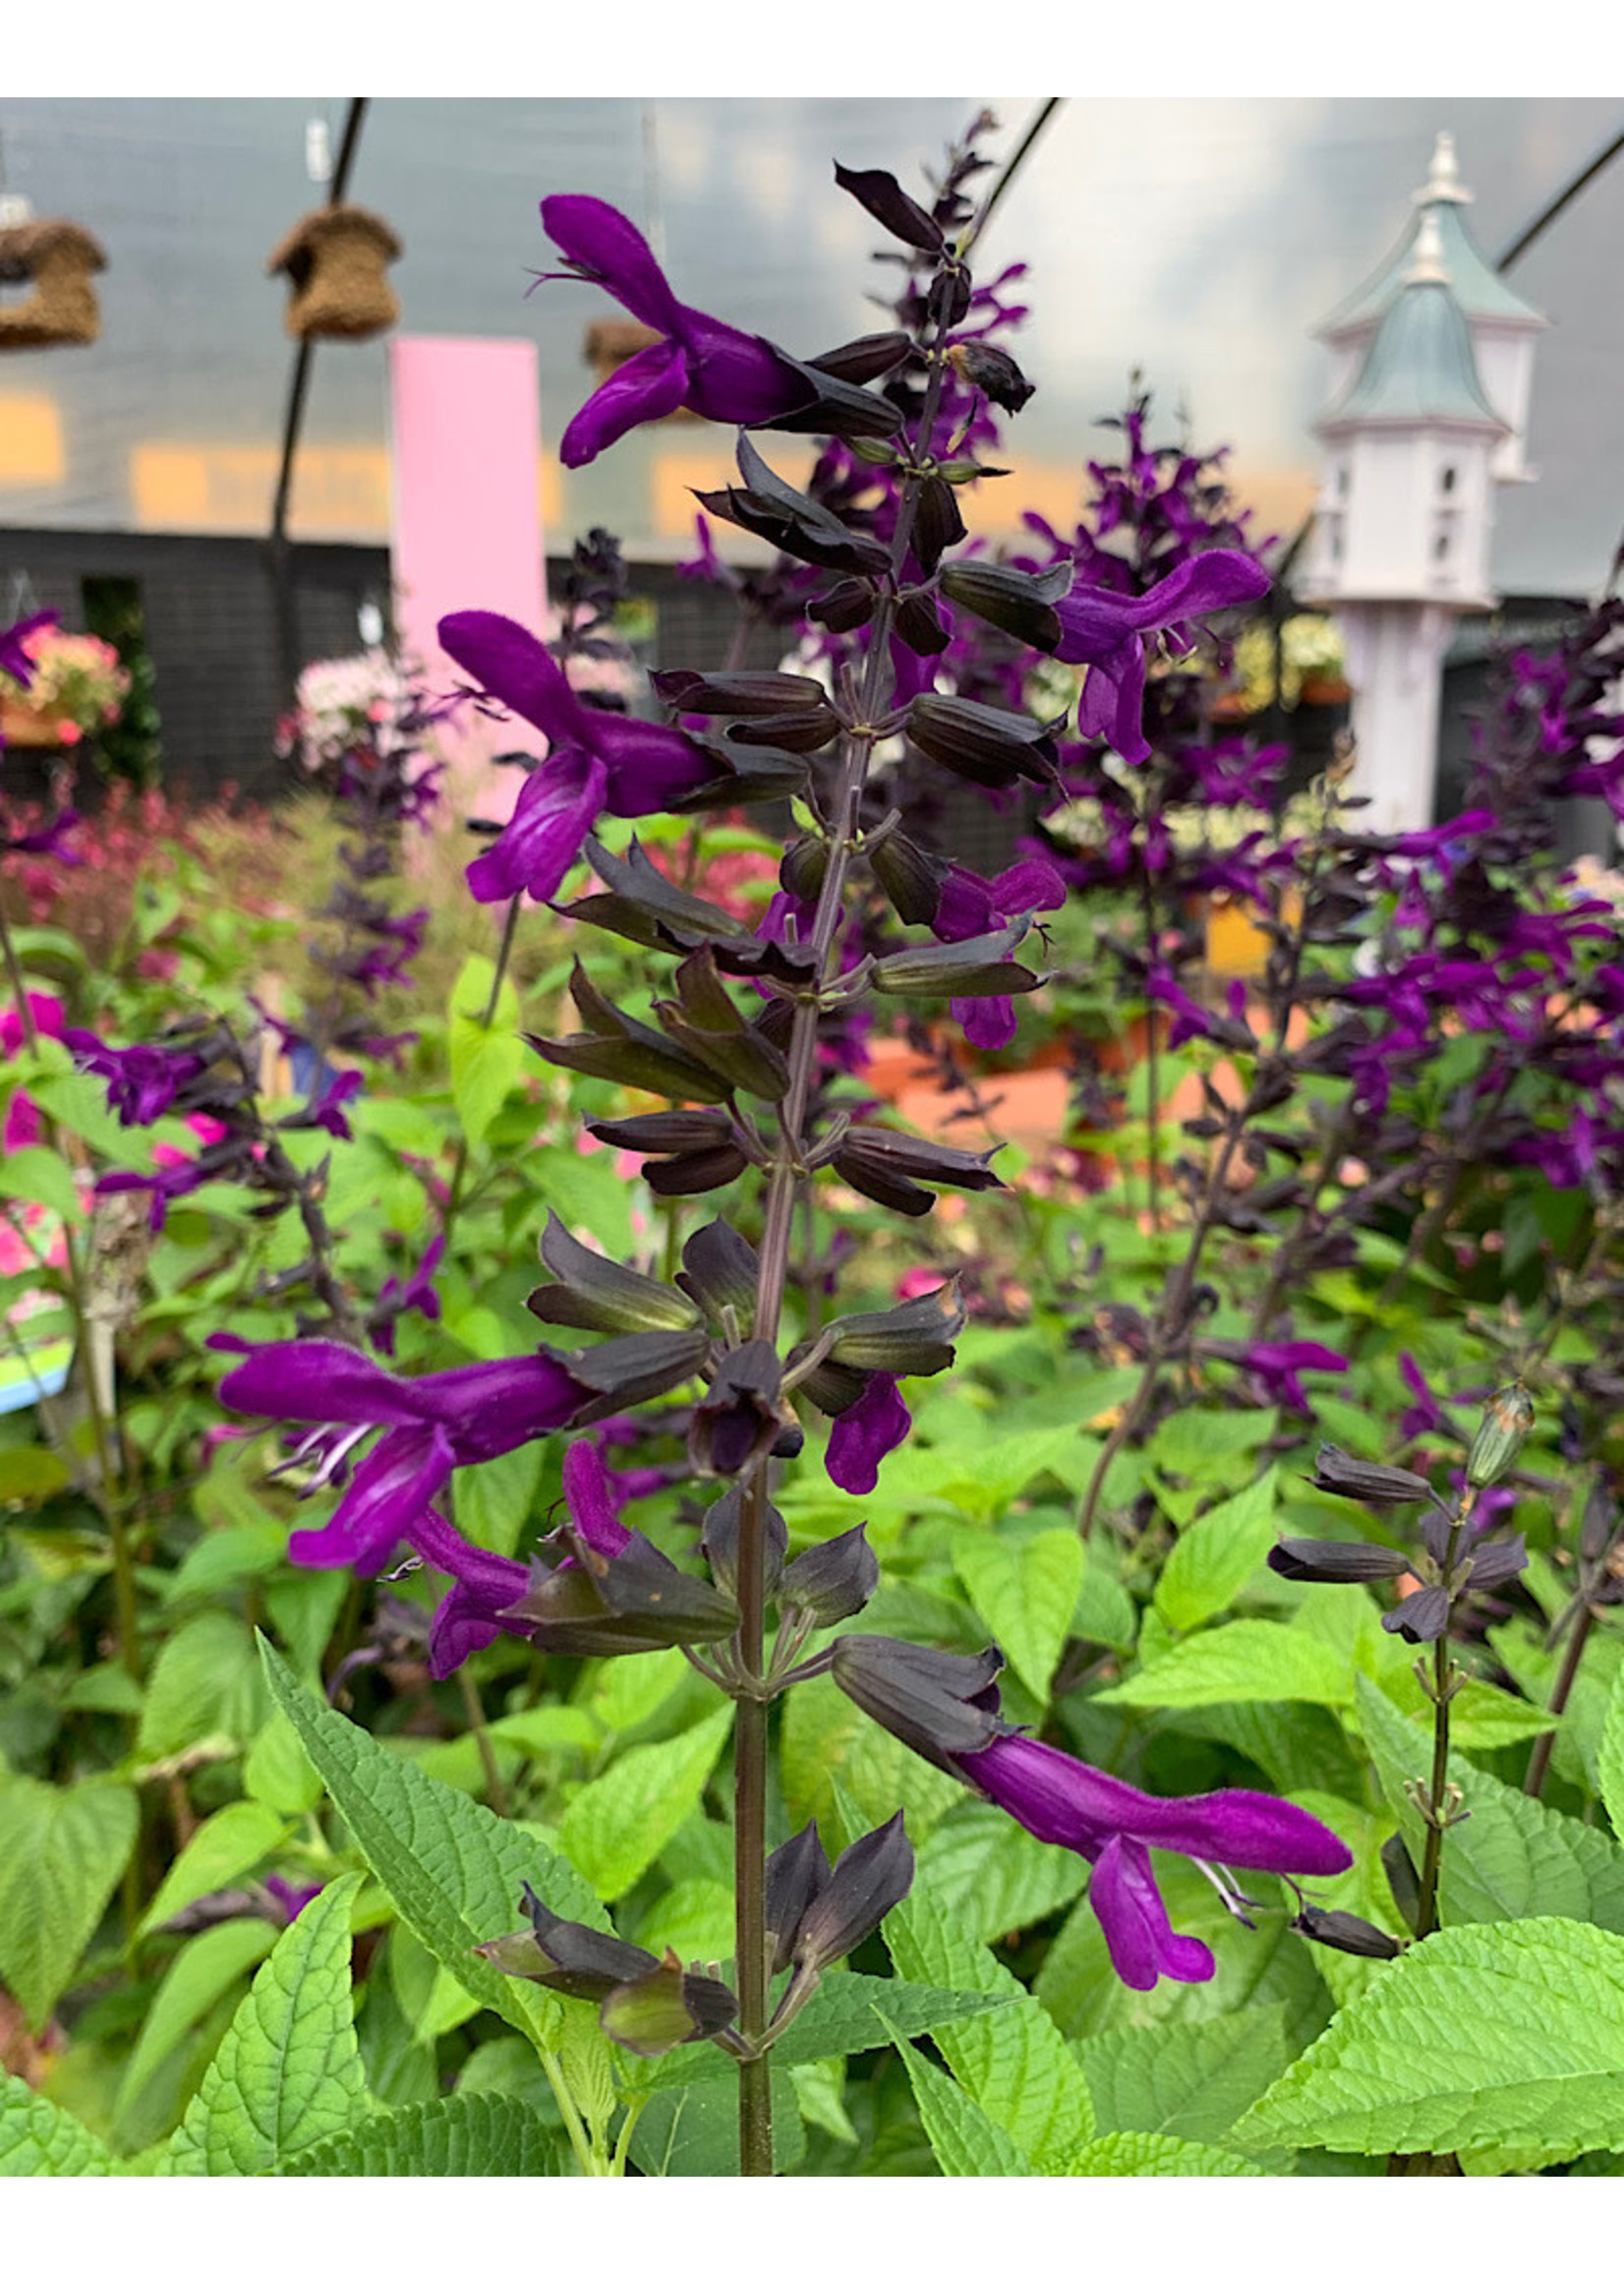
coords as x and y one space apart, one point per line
1443 181
1426 261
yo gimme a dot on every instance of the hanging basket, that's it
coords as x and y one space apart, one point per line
58 259
335 261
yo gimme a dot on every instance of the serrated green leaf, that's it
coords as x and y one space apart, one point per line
1508 2037
452 1870
1013 2064
487 1061
1577 1753
1190 2078
964 2141
276 1772
203 1686
41 2141
288 2070
470 2136
432 2000
62 1851
827 1740
690 2131
1024 1592
1509 1857
991 1878
1139 2155
1209 1446
854 2013
616 1827
32 1472
626 1691
1250 1660
1214 1556
1483 1719
224 1847
1105 1612
203 1969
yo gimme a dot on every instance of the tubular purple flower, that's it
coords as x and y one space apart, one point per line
432 1425
701 365
874 1426
1109 631
599 760
142 1081
1114 1826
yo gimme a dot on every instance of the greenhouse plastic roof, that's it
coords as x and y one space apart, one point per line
1196 241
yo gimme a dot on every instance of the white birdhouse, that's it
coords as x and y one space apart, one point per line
1403 512
1502 326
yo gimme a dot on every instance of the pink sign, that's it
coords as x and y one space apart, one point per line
467 524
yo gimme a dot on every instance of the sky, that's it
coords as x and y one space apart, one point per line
1195 239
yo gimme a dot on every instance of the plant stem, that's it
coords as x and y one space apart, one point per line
1544 1744
494 1793
750 1747
1427 1903
1152 1059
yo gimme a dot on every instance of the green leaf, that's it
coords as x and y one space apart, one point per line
476 2135
36 1174
1507 2037
203 1969
991 1878
452 1870
1252 1661
41 2141
1577 1754
1140 2155
626 1691
485 1061
1014 2064
1209 1447
965 2141
854 2013
288 2070
203 1688
1104 1611
1214 1556
275 1771
1510 1857
690 2131
432 2000
32 1472
616 1827
496 1499
827 1741
1192 2078
224 1847
63 1849
1024 1592
1610 1760
1483 1719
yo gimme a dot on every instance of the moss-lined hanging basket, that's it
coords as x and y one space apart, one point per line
58 259
335 261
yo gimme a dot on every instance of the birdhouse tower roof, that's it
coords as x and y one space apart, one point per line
1478 290
1419 368
24 243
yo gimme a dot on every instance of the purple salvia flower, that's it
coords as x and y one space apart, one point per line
701 365
173 1182
1114 1826
414 1294
861 1437
431 1426
1278 1364
1109 631
292 1899
143 1081
598 759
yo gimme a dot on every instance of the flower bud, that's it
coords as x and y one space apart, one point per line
719 1544
833 1580
665 2007
739 1418
935 1702
1346 1930
1372 1481
804 868
1335 1562
996 372
1507 1419
796 1875
870 1878
593 1292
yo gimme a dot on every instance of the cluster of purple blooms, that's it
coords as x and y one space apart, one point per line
596 1584
50 841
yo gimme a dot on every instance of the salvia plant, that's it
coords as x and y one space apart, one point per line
1191 1649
